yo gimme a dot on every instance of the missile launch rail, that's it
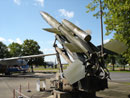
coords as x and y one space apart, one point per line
86 72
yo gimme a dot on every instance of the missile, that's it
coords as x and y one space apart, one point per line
79 32
50 20
72 39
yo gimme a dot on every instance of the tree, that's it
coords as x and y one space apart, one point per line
31 47
116 59
15 49
117 19
111 59
121 60
3 51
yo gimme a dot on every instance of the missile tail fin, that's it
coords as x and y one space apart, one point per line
72 48
53 30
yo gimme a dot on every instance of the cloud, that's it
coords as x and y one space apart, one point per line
66 13
18 2
17 41
52 58
50 42
10 40
107 40
39 2
2 39
48 50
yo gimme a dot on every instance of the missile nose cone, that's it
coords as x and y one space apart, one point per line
50 20
43 13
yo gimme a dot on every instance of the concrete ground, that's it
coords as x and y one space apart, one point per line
117 89
120 76
119 86
8 84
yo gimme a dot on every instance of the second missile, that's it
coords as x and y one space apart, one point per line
82 34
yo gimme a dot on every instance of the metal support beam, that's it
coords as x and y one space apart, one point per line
59 61
63 55
58 56
101 27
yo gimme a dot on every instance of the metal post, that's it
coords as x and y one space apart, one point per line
101 27
63 55
28 86
13 93
59 61
58 56
20 90
28 90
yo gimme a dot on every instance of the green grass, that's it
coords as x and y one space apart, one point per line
127 83
45 70
41 68
119 71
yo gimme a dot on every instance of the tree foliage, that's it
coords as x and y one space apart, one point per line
117 19
15 49
3 51
31 47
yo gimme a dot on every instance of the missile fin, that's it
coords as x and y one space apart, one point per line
72 48
53 30
75 72
115 46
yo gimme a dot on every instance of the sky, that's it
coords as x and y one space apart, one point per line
21 20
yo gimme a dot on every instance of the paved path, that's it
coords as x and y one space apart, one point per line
7 84
120 76
115 90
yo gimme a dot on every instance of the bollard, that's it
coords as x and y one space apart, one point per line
28 88
13 93
20 89
38 85
44 85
